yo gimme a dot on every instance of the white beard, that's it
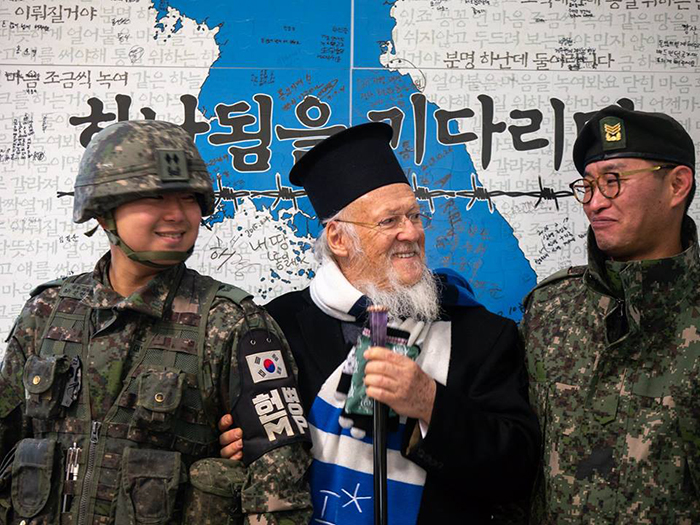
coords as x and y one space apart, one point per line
419 301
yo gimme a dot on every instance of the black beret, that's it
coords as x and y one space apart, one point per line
346 166
616 132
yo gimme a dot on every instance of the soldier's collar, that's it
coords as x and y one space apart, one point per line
650 285
153 299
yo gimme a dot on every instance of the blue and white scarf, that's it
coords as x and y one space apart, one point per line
341 474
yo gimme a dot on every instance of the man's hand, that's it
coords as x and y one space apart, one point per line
399 382
231 440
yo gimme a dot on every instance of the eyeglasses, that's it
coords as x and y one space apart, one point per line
607 183
395 222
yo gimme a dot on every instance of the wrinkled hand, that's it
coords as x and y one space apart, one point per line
231 440
399 382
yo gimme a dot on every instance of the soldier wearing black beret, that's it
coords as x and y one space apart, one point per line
613 347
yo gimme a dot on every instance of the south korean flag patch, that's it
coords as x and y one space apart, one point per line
266 366
267 405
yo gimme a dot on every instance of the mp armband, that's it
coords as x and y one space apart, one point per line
268 408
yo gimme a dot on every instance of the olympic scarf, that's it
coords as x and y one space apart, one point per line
341 474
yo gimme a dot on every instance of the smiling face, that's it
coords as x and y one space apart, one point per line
387 256
168 222
643 222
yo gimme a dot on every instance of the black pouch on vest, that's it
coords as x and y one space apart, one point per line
214 492
268 408
149 487
158 399
36 479
44 382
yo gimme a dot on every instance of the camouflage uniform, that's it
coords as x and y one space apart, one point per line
613 353
120 371
109 405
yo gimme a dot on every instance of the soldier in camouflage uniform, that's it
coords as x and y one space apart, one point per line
613 348
113 381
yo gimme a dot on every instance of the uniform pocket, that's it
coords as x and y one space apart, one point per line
36 480
214 492
158 399
654 451
44 380
150 482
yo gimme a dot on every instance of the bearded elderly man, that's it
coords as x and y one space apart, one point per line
466 438
613 347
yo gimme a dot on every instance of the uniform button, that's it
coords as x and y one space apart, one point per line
159 397
36 380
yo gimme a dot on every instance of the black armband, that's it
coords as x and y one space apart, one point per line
268 408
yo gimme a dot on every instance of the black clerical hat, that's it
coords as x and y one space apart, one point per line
347 165
616 132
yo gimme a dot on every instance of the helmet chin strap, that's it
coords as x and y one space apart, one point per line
145 258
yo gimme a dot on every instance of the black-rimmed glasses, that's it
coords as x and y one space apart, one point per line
607 183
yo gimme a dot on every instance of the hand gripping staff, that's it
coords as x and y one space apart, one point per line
377 325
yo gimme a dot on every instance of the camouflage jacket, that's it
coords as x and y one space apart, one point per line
148 409
614 379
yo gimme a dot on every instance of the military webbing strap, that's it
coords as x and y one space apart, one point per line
220 290
67 323
165 440
233 293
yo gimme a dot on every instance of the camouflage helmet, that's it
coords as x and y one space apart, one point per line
134 159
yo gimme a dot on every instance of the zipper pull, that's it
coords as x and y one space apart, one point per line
95 432
621 306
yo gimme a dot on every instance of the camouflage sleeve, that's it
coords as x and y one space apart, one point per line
22 340
276 489
537 393
538 325
11 396
535 390
689 416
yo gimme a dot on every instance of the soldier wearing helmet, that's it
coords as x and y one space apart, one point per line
113 380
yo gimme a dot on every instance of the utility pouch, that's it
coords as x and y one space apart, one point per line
213 496
149 487
44 382
158 399
36 479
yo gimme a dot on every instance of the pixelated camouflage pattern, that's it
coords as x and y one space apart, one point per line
275 484
215 494
615 383
120 165
273 498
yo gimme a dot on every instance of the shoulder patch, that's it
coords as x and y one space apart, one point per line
45 286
